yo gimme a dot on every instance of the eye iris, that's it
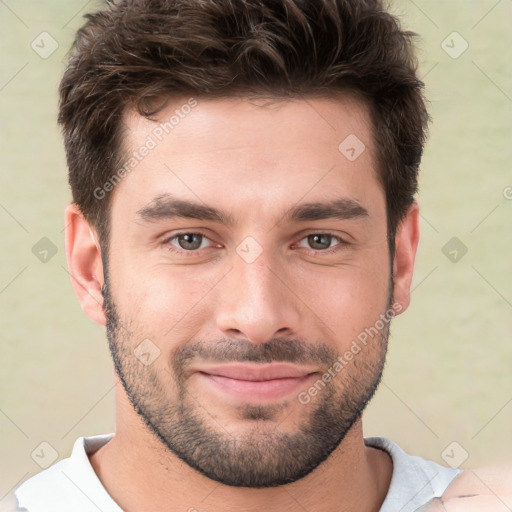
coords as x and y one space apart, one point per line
320 239
192 241
186 241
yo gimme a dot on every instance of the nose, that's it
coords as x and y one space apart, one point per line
258 301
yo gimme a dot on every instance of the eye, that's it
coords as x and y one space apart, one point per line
322 242
191 242
186 242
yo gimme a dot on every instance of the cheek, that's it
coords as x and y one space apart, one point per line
168 302
162 301
346 299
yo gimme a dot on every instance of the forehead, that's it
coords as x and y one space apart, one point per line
219 123
246 151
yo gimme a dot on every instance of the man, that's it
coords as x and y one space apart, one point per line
244 225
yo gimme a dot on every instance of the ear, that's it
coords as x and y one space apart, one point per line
406 241
83 254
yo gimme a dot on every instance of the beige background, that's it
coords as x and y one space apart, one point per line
448 376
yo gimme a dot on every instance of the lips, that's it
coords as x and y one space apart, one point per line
256 372
256 383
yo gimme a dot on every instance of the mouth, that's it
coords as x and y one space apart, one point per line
258 383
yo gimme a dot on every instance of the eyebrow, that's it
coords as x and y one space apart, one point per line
167 206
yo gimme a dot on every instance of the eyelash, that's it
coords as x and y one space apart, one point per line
332 250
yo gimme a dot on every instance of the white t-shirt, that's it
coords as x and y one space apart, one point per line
72 485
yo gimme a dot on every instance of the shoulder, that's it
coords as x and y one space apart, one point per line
70 481
477 490
42 487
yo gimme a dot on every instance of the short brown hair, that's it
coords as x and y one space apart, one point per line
134 51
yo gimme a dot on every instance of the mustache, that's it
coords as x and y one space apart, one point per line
276 350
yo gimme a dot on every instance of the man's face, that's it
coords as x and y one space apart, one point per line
283 282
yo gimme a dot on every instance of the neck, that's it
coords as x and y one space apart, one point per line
140 473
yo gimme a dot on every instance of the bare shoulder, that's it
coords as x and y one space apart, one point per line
477 490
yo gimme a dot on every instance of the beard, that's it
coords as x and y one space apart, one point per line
261 455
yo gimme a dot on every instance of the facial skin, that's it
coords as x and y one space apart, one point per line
296 303
267 453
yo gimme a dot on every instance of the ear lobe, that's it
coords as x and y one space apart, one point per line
406 242
83 255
